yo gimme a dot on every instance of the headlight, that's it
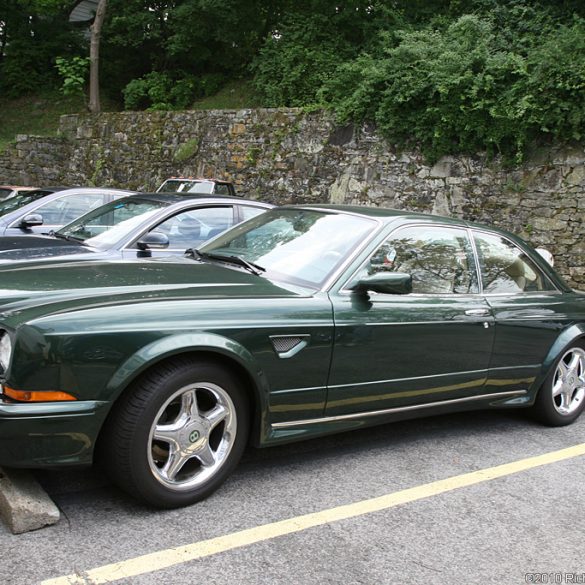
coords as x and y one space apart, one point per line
5 350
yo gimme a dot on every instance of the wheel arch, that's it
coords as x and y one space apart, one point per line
208 346
568 336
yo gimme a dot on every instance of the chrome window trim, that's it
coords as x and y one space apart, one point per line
525 293
476 260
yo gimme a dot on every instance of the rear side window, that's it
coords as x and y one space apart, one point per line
221 189
505 268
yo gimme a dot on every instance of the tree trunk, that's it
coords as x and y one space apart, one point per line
94 58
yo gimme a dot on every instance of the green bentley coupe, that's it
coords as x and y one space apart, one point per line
300 322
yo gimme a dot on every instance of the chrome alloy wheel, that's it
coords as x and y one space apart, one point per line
192 436
568 387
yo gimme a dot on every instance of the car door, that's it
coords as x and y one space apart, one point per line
528 309
59 212
432 345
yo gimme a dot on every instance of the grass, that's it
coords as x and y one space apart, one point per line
38 115
235 95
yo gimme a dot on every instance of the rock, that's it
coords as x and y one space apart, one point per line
24 505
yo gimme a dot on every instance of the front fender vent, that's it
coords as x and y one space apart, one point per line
288 345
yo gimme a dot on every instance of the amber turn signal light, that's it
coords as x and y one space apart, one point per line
37 396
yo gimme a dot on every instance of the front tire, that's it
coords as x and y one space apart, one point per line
177 433
561 399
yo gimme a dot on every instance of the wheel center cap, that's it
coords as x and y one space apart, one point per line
194 436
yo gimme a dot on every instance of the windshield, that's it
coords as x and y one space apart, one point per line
20 200
302 246
105 226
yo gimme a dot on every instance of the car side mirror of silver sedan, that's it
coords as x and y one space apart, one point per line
31 220
390 283
153 241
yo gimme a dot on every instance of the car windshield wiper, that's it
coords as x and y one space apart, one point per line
67 238
229 258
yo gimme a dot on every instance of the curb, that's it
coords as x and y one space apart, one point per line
24 504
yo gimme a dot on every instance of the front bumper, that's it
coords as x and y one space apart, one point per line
49 434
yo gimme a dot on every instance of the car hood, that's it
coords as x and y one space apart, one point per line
32 248
49 286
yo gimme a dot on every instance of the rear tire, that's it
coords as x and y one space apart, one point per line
177 433
561 399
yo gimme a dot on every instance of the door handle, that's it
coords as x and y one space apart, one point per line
478 312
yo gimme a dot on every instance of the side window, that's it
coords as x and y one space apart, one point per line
248 212
66 209
266 237
505 268
439 259
191 228
221 189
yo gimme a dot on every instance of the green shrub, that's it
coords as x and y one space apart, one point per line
292 66
162 91
466 88
187 150
73 71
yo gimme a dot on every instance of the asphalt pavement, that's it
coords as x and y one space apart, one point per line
525 526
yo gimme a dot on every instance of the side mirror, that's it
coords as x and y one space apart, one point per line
153 241
546 255
31 220
390 283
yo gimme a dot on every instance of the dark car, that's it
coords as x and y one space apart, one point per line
201 186
136 226
301 322
7 191
43 210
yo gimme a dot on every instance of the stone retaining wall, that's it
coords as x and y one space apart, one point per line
289 156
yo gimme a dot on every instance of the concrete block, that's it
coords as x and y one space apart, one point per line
24 505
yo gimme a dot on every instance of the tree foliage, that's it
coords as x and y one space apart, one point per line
32 34
472 85
446 75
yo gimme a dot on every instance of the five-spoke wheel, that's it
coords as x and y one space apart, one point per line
177 433
192 436
562 397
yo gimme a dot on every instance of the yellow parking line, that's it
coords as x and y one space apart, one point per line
205 548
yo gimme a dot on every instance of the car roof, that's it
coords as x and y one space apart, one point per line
387 215
383 213
171 198
67 190
198 179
